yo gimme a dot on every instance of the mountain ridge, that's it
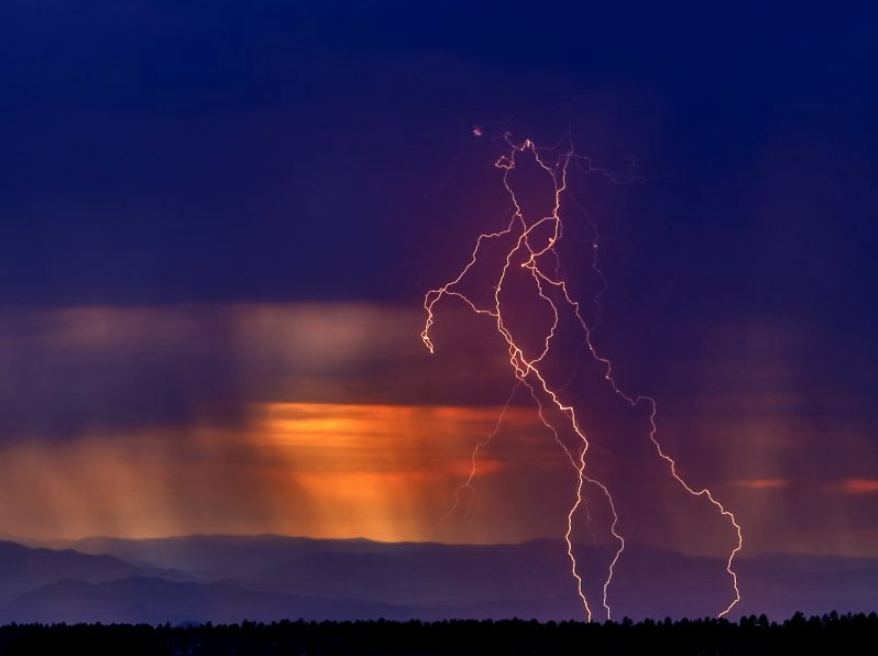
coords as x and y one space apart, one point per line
269 577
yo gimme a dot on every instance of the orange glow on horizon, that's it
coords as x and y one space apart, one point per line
318 470
860 486
761 483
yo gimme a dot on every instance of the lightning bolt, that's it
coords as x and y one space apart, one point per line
467 486
534 254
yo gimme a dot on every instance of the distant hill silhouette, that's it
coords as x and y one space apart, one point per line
154 600
218 556
267 578
23 568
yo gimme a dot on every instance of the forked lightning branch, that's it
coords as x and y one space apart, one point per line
533 248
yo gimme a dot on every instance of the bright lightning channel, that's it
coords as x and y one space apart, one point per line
528 372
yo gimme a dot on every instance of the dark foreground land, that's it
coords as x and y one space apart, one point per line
829 634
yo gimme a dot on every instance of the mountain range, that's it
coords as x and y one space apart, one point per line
270 577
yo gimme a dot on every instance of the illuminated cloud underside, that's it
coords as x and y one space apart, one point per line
326 470
182 419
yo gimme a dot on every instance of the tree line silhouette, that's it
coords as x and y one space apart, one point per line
831 633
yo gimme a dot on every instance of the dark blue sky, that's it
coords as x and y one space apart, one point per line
159 153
